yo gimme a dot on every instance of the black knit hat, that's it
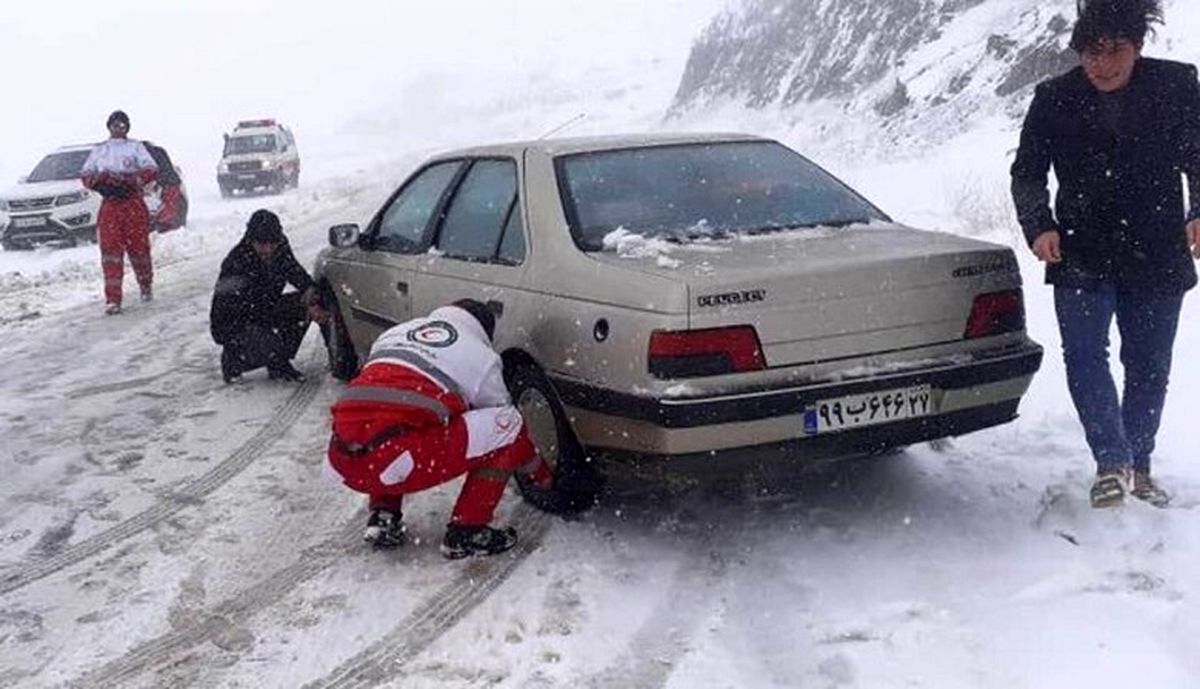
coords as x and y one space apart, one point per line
481 313
264 226
117 116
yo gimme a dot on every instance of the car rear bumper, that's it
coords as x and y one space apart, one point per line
968 395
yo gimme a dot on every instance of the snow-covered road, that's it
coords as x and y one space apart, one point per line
159 528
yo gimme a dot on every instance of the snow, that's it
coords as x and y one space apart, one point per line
226 558
633 245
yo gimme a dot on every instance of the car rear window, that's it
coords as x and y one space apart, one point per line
691 191
59 166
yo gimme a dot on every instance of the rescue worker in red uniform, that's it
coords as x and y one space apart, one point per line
429 406
118 169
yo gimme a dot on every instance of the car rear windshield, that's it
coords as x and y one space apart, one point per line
254 143
694 191
59 166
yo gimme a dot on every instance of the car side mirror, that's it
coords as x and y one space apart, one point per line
344 235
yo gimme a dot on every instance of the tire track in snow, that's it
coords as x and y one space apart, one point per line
387 657
21 575
655 648
372 665
651 654
270 590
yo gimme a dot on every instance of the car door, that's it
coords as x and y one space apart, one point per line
480 245
375 292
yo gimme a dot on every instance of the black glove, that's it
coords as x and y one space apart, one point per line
110 190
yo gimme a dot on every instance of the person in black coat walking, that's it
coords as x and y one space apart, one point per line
252 318
1120 132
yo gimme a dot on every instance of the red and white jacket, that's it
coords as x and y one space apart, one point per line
122 164
425 372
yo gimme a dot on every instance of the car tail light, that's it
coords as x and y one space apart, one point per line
995 313
710 352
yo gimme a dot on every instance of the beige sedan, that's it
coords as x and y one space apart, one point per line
706 302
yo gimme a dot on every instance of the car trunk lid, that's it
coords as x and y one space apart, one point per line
824 294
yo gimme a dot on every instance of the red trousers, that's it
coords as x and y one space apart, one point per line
124 228
421 458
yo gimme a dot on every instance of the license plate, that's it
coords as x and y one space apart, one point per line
867 409
28 222
246 176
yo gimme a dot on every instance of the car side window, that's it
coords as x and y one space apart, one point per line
403 223
479 211
512 244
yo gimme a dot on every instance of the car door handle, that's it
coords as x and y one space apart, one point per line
496 307
402 287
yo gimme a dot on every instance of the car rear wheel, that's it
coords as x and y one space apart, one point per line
343 361
576 483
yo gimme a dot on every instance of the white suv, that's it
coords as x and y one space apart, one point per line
51 205
258 155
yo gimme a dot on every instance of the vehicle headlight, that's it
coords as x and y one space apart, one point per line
267 164
222 167
68 199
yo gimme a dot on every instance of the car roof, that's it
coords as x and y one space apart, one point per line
587 144
74 147
254 131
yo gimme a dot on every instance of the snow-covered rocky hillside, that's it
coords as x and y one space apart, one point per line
920 72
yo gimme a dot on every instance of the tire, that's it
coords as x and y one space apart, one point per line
343 361
16 246
577 484
226 192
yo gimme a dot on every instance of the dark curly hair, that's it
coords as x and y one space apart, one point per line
1114 20
481 312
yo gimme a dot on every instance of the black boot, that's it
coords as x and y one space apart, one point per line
384 529
230 371
285 371
464 541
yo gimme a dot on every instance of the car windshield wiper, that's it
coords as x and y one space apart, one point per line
805 226
683 236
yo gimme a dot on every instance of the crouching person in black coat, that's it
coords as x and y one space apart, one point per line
252 318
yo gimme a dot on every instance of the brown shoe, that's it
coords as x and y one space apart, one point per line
1110 488
1145 489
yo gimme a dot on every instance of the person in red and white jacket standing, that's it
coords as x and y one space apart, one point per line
118 169
429 406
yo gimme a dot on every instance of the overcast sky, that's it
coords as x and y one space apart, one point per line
185 70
